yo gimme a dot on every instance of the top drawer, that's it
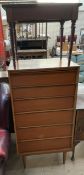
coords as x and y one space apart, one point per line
43 78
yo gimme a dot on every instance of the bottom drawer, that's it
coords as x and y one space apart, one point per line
44 145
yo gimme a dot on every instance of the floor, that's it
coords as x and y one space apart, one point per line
48 164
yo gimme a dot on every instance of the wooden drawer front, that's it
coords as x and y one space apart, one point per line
80 136
43 118
44 145
43 104
51 91
44 78
81 114
80 123
44 132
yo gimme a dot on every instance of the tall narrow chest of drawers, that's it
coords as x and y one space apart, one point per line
43 93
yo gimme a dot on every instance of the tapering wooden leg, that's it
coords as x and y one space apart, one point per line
64 157
24 161
73 151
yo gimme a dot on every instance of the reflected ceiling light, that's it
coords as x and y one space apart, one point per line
58 1
40 1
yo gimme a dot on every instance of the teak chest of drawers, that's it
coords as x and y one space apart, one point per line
44 101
